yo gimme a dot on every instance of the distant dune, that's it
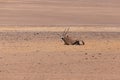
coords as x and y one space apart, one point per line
50 12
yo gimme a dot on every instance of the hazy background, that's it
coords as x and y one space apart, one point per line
60 12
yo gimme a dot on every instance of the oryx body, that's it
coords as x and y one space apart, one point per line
70 41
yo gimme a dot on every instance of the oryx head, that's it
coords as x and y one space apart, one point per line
64 34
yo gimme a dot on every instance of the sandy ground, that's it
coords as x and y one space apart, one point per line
36 55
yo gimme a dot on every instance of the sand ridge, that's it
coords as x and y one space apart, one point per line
50 12
60 29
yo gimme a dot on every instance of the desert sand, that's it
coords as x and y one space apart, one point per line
42 55
30 48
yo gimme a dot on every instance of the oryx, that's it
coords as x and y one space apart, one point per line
69 40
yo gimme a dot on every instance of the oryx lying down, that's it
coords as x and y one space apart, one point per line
70 41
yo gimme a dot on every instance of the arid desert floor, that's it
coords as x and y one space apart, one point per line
41 55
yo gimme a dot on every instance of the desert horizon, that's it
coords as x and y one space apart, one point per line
59 28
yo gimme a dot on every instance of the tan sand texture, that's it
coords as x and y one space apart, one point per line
41 55
65 12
